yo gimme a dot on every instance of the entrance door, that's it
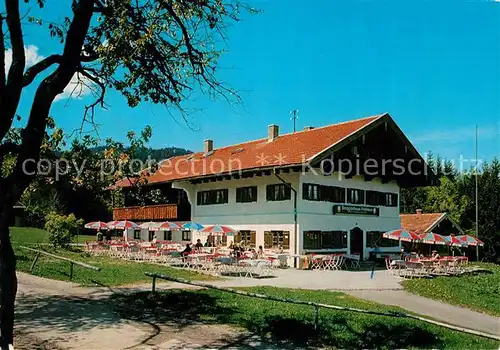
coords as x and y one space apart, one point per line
356 242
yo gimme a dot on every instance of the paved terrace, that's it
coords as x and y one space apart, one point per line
316 280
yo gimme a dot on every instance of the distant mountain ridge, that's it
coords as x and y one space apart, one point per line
157 154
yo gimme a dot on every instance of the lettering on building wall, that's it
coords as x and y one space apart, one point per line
355 210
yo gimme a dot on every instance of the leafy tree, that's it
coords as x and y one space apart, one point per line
413 198
488 207
159 51
62 228
447 198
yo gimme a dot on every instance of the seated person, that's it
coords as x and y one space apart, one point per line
187 250
402 254
435 255
253 253
237 250
154 240
413 255
260 252
198 245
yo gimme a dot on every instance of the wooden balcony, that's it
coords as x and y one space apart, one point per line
147 213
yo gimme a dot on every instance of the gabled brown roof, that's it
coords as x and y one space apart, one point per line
285 150
420 223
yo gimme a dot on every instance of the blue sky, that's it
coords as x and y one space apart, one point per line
434 66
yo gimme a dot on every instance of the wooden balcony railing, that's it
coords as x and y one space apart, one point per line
150 212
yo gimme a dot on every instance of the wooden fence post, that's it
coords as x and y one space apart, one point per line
34 262
316 316
70 271
153 286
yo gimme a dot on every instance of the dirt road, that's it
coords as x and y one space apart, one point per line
61 315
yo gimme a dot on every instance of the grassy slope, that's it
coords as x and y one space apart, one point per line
480 292
31 235
294 323
114 271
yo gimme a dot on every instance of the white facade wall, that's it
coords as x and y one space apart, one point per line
266 215
314 215
144 235
257 216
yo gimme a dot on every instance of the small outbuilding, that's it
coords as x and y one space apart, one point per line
440 223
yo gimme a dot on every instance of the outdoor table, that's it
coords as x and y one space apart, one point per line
252 262
225 259
208 249
398 263
250 267
198 256
117 247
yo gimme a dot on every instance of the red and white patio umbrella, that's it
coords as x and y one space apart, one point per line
454 241
165 226
432 238
219 230
97 225
148 225
470 240
124 225
401 235
112 224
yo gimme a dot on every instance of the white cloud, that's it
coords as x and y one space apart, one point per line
74 88
77 88
31 53
456 135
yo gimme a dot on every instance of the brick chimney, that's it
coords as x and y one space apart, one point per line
419 211
272 132
308 128
209 146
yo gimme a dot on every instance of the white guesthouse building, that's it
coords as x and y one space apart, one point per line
329 189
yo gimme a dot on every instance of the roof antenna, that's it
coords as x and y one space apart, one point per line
294 115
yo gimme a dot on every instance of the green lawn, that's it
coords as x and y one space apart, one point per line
113 272
31 235
479 292
292 325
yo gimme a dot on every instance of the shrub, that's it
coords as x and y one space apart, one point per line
61 228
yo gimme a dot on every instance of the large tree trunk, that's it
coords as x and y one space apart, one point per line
8 287
12 187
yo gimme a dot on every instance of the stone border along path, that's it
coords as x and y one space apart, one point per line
77 317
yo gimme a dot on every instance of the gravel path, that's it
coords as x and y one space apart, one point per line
437 310
61 315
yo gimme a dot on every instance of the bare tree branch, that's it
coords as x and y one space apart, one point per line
88 58
17 42
89 109
2 59
49 88
39 67
12 92
192 52
99 7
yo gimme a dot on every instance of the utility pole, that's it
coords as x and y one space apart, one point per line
294 115
477 207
